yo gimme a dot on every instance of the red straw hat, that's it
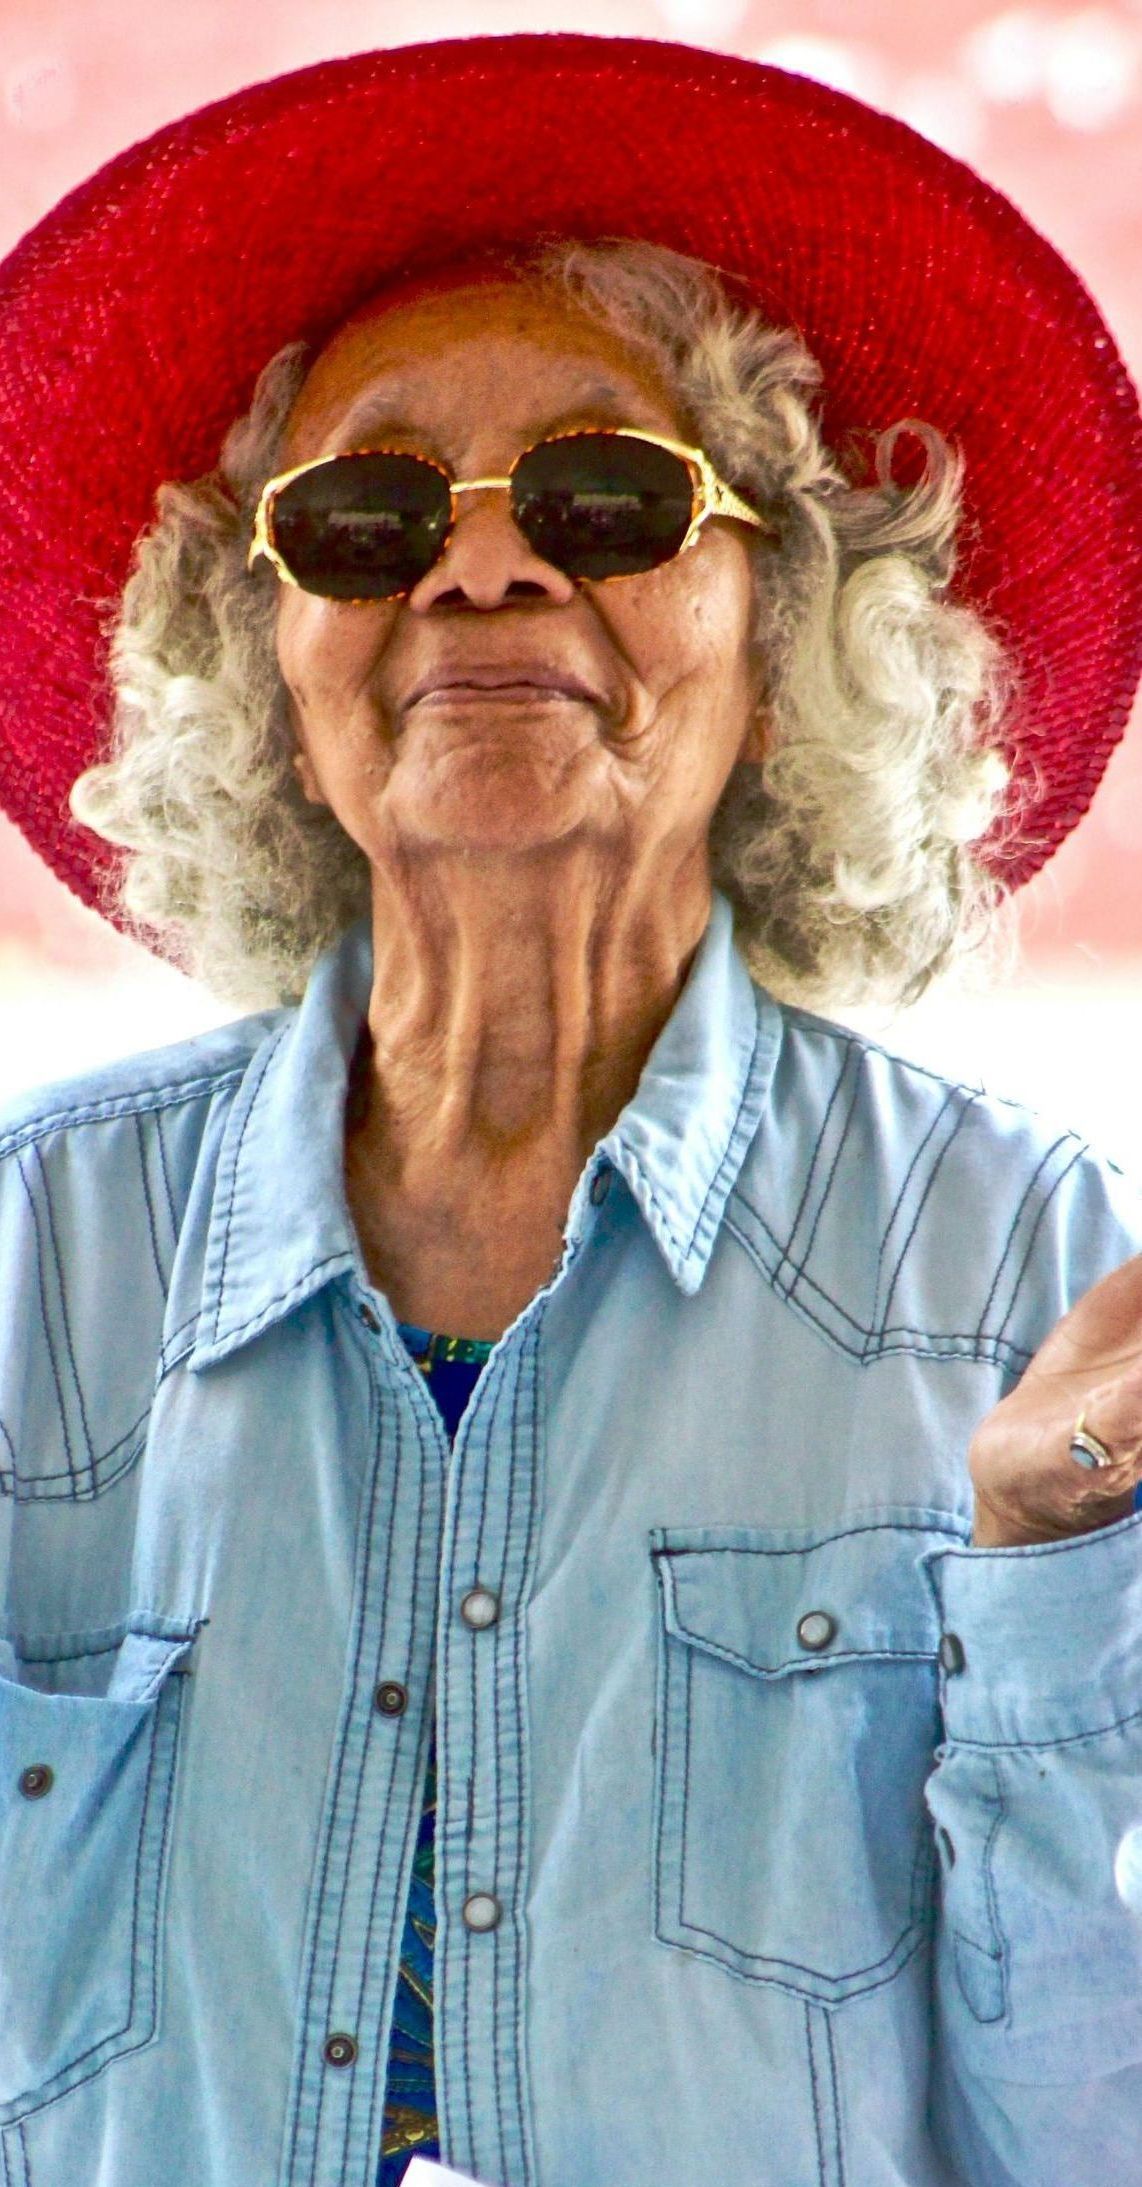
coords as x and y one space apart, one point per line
134 320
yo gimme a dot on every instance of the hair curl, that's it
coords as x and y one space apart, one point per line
847 856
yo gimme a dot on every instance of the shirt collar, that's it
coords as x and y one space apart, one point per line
681 1141
280 1227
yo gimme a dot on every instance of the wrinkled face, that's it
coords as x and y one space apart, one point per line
503 706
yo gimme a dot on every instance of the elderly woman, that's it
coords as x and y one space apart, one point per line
510 1646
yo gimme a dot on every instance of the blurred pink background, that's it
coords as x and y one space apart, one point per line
1046 101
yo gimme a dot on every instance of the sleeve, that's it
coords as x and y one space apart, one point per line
1036 1801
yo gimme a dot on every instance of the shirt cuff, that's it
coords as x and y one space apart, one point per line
1041 1643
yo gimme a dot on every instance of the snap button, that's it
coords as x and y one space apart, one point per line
600 1185
340 2050
816 1629
1128 1869
391 1699
482 1911
480 1608
36 1780
951 1653
366 1314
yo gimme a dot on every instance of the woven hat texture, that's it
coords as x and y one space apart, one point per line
135 318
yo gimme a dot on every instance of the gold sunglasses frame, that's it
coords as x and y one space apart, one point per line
711 497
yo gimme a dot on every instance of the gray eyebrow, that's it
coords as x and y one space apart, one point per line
376 414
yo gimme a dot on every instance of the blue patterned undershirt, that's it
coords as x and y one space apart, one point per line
450 1366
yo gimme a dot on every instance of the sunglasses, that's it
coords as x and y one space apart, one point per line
369 525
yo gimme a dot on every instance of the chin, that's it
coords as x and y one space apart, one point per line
519 801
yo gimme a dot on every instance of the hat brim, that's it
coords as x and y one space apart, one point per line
136 317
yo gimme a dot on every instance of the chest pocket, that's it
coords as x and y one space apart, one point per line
797 1722
86 1780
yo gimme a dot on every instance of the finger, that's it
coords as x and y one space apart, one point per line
1112 1413
1029 1483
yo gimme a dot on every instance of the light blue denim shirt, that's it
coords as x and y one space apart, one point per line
777 1826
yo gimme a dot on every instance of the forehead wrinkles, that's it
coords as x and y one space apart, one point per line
441 361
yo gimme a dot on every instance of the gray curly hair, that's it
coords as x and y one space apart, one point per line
847 857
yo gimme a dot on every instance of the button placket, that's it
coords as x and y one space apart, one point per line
480 1610
482 1831
355 1920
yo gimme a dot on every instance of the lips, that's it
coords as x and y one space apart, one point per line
514 679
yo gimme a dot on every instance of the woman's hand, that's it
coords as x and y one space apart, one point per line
1028 1488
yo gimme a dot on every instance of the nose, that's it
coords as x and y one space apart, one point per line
488 562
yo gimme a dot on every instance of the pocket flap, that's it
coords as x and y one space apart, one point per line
143 1665
776 1602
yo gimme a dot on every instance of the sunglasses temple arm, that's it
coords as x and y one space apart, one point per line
261 543
724 502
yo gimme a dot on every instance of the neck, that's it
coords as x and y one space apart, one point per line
514 1004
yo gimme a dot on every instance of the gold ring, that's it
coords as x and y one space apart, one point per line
1089 1450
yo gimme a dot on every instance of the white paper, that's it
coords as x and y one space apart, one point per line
425 2172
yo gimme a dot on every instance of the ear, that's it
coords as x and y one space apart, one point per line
310 787
755 743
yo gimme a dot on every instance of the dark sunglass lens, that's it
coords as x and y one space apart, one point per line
597 505
362 527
